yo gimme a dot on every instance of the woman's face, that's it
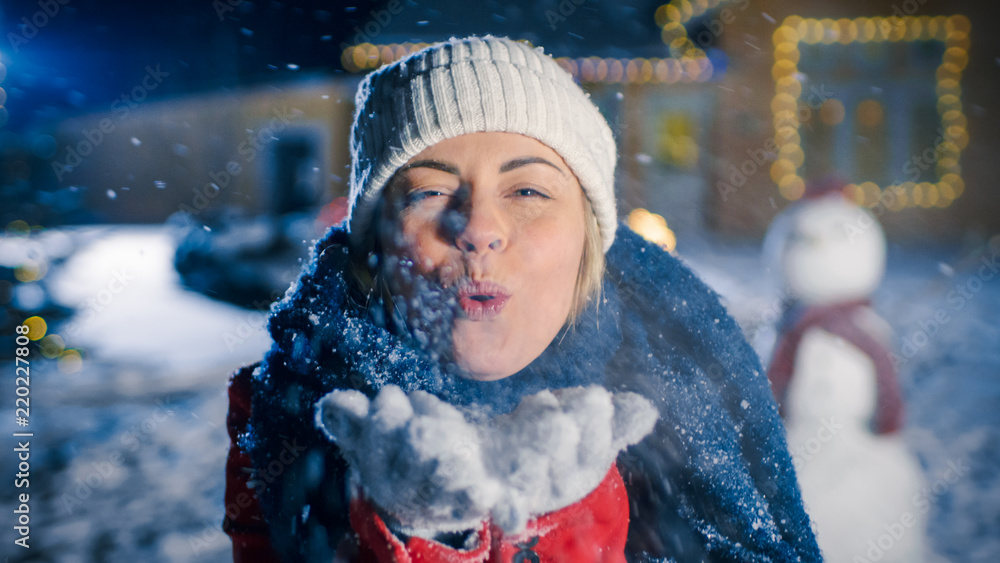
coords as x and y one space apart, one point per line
500 218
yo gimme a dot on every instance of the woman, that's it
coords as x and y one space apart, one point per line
473 369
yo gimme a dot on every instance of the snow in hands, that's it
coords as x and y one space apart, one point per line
433 469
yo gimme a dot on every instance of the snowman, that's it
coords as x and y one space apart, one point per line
833 376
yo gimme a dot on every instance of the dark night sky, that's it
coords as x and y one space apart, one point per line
91 52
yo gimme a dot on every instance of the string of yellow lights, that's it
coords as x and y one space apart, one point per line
672 17
688 63
953 31
366 56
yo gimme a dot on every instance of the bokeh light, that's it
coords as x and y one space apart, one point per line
870 113
653 228
70 361
52 346
832 112
37 327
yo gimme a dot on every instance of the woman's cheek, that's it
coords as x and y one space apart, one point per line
431 256
560 243
417 242
555 260
424 256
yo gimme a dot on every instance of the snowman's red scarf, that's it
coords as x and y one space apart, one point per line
838 320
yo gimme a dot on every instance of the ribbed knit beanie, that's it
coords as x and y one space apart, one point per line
476 84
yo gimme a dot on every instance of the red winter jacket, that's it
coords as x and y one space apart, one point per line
591 530
243 521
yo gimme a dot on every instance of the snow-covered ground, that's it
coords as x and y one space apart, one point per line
128 454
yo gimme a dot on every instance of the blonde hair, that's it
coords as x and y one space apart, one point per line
590 278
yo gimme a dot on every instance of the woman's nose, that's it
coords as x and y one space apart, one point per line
483 229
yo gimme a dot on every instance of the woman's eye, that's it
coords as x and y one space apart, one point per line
418 196
529 192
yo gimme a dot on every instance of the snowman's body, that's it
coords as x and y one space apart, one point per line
833 376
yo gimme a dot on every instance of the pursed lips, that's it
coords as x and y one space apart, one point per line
482 300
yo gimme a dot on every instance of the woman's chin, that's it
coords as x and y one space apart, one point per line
484 367
484 358
483 376
499 348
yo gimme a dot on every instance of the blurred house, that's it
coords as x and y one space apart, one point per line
724 111
262 150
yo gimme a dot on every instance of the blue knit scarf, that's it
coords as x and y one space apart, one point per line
713 482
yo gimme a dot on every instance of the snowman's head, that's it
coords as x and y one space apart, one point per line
834 252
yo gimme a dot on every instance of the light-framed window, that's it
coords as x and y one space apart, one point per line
828 116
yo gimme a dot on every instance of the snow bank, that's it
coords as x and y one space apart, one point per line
425 463
132 309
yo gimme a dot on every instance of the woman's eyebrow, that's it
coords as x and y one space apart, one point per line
526 160
429 163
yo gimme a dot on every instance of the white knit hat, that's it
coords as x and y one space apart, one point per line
470 85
